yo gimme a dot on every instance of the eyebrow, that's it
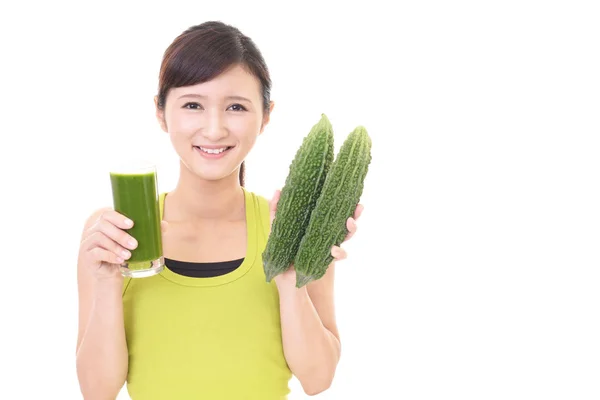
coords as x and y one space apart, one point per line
199 96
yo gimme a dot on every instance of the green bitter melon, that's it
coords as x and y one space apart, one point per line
298 197
339 197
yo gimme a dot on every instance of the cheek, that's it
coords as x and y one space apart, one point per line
182 124
244 129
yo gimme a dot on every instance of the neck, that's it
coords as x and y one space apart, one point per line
196 198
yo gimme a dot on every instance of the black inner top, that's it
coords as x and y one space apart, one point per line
202 270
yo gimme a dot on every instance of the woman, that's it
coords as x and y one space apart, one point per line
208 326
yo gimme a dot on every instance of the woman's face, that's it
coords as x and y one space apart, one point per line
213 125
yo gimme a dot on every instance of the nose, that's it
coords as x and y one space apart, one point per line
215 128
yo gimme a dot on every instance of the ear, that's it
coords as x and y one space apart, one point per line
160 115
267 117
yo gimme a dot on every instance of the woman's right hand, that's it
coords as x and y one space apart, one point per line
105 244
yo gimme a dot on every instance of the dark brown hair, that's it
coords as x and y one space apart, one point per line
202 52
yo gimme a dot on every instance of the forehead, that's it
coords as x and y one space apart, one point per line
234 81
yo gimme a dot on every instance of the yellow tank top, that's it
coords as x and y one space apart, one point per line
216 338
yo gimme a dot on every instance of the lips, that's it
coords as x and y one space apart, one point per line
213 151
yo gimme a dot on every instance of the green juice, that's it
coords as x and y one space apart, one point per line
135 195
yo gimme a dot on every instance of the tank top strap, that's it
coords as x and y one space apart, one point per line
161 203
239 301
261 210
264 218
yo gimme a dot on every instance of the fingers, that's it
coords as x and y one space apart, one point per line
106 240
99 254
351 222
351 226
116 219
116 234
358 211
338 253
99 240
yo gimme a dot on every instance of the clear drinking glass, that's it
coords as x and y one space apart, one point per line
135 195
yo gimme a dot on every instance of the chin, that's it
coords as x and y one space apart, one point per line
212 170
213 174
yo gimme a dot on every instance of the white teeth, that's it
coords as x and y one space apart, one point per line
213 151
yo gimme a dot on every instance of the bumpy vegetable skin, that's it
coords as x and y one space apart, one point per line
298 197
339 197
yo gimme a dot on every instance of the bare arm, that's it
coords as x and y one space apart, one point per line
311 341
101 354
310 337
102 359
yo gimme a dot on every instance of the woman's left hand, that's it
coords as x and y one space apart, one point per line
337 252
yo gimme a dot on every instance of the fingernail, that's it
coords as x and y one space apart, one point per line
126 254
128 222
132 243
120 260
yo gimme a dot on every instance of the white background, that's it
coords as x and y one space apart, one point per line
475 270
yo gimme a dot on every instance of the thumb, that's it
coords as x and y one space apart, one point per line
273 203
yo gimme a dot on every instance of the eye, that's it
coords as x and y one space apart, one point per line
238 107
192 106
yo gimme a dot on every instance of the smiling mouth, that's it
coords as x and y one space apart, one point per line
213 151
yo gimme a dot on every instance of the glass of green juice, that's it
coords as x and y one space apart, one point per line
135 195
